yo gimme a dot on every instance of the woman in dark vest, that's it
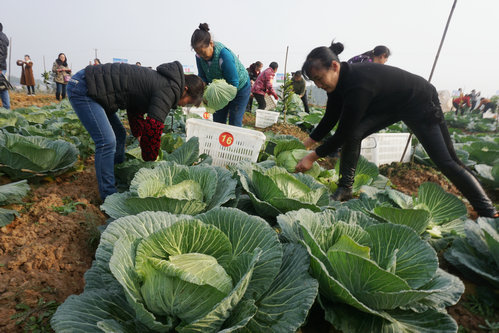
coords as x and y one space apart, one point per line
97 92
215 61
367 97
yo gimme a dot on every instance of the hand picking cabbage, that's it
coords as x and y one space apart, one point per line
218 94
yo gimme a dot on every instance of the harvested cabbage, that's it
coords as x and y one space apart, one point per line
218 94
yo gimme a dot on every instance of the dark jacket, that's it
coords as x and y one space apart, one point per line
368 89
136 88
4 44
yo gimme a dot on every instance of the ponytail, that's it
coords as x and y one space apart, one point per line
201 36
322 57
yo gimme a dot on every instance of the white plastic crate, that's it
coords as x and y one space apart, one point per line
266 118
200 111
226 144
383 148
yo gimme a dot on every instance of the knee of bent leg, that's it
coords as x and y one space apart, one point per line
106 142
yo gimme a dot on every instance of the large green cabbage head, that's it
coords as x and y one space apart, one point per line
374 277
159 272
275 191
174 188
218 94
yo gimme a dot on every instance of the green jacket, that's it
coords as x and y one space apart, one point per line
221 66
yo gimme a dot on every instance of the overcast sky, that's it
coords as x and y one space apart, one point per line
154 32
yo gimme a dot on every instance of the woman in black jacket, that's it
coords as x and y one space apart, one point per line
368 97
97 92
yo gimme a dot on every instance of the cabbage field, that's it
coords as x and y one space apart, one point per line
187 246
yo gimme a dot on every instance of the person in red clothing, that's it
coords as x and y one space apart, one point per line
460 102
97 92
264 85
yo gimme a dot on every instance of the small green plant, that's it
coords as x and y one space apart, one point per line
494 327
286 95
69 206
36 319
477 306
91 224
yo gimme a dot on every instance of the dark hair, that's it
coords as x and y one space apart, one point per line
321 57
377 51
297 73
195 88
252 68
59 62
27 55
1 27
98 61
273 65
201 36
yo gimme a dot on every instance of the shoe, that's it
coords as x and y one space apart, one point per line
342 194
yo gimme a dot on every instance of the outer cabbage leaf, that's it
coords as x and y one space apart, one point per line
25 157
13 192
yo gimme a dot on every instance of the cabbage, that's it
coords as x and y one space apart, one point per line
218 94
289 159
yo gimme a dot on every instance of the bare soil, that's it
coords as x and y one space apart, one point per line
21 100
44 254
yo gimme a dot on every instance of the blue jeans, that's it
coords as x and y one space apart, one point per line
60 89
106 131
235 109
4 95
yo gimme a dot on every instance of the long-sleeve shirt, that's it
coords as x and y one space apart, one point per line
299 86
462 100
148 131
227 65
367 89
264 83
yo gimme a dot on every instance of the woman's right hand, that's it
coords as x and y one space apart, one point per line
309 142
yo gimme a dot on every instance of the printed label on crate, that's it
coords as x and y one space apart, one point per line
206 115
226 139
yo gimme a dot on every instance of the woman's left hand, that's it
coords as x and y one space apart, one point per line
307 162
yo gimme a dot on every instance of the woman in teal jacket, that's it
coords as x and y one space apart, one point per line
215 61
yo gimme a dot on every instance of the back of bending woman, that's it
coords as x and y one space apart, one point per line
97 92
367 97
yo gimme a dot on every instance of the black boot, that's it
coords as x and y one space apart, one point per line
58 96
348 163
342 194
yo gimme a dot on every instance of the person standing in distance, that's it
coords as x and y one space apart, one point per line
4 44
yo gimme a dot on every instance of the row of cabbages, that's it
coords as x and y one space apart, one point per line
204 249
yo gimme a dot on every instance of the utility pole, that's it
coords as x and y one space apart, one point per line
284 83
433 68
95 50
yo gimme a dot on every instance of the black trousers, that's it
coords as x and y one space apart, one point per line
432 132
260 99
305 103
490 106
31 90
